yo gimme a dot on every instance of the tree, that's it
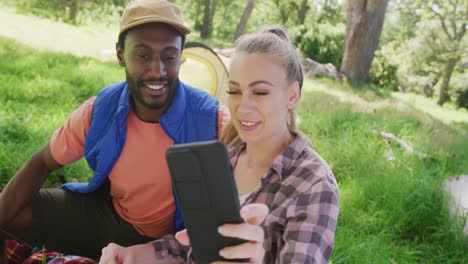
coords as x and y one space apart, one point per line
302 11
207 27
245 17
363 26
284 9
287 8
75 6
331 11
452 17
442 30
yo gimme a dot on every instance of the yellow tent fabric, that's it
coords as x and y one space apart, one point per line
203 68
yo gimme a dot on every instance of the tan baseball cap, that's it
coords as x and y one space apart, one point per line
140 12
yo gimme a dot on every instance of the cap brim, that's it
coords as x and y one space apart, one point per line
179 27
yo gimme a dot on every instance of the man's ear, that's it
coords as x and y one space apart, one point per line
120 55
294 94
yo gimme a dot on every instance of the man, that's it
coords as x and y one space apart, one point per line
123 133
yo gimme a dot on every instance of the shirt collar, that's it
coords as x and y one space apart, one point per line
284 161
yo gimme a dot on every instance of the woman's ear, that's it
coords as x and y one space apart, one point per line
120 55
294 93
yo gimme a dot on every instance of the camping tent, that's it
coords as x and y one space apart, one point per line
203 68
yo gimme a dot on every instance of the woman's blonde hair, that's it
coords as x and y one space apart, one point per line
272 41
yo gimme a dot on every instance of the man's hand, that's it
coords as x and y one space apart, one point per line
253 215
14 211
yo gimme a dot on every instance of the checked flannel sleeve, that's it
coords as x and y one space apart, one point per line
310 226
168 248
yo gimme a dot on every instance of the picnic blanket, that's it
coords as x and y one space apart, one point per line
18 253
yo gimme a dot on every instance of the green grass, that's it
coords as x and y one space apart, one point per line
391 211
38 91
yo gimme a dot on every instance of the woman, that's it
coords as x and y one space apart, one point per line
291 197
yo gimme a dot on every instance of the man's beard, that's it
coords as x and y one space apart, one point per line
136 88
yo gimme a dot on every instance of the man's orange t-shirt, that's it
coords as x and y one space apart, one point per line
141 186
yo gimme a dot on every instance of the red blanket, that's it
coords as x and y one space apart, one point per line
17 253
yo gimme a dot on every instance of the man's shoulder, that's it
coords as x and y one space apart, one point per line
199 100
112 88
111 94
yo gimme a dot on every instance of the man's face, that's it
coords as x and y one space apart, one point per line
151 57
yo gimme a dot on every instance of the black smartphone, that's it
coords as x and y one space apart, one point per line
206 191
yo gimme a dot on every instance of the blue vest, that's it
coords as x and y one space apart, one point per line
192 116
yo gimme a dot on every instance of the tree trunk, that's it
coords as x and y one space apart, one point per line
245 17
75 10
212 14
443 95
205 30
284 16
284 11
363 26
303 11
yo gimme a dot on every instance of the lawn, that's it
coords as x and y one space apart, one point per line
391 211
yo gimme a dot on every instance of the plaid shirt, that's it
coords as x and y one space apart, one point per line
302 195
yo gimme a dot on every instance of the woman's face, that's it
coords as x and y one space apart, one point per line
260 97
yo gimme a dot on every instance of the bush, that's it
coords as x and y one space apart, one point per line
383 73
459 90
418 84
322 42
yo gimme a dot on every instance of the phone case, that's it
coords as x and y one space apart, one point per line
206 191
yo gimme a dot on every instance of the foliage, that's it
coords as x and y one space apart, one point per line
44 258
264 13
78 12
440 43
321 42
459 89
330 11
226 19
226 16
192 12
284 9
399 24
383 73
419 60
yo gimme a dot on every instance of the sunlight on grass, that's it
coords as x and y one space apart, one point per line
344 94
97 42
403 102
446 114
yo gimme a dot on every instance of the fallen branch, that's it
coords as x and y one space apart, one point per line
404 144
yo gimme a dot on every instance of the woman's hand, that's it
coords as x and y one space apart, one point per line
253 215
115 254
138 254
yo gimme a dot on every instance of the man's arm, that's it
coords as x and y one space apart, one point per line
27 181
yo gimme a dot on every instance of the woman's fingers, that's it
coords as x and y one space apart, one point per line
248 250
249 232
110 254
183 238
254 213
